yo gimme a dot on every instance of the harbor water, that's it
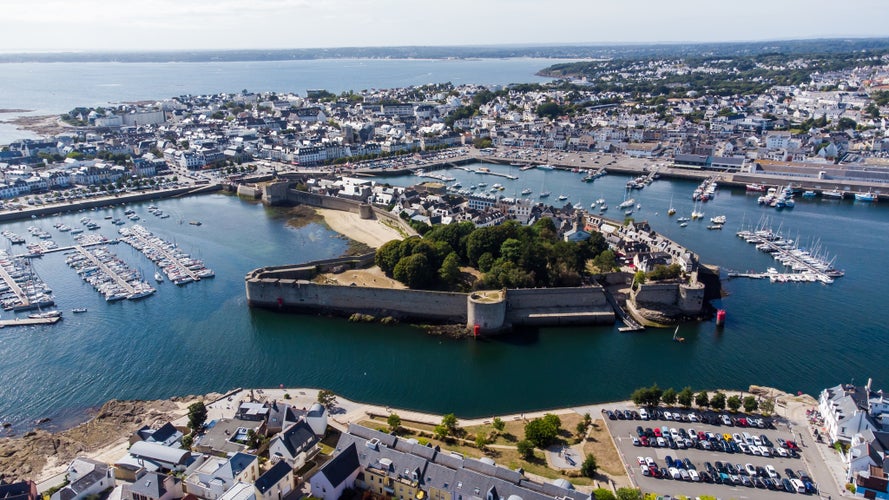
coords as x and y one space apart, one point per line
202 337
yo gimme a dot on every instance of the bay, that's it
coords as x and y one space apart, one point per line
202 337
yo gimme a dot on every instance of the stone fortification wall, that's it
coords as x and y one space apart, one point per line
311 269
356 207
301 295
558 306
690 298
664 294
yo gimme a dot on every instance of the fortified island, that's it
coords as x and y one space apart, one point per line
295 288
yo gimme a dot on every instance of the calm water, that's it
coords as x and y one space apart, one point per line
202 337
58 87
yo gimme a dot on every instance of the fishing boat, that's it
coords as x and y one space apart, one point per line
78 310
868 197
675 338
756 188
545 167
833 194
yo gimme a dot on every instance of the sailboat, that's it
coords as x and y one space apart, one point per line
695 214
671 210
675 338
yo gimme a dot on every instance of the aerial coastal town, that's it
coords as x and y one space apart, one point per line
821 137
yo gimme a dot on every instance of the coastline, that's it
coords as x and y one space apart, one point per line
44 456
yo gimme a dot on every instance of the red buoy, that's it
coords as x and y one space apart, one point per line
720 317
475 330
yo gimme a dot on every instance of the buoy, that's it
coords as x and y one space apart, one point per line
720 317
475 330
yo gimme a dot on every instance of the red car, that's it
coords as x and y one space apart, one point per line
657 432
792 445
643 440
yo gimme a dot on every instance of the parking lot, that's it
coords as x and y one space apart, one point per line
624 432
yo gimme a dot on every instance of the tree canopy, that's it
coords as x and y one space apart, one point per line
510 255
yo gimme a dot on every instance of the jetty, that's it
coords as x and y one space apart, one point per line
487 171
108 274
108 271
29 321
22 289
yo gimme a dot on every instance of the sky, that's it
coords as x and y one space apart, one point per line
148 25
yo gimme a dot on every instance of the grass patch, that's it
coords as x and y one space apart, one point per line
599 443
396 227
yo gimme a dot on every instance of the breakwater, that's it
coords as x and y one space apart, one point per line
289 288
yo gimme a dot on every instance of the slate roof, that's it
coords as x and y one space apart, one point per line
298 438
150 485
272 476
337 470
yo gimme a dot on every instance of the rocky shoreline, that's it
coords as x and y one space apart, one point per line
39 453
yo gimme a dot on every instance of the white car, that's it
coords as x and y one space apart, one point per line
744 448
649 461
765 451
782 452
750 469
693 475
640 460
693 417
674 473
668 415
771 471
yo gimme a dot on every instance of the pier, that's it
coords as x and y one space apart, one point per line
122 283
16 289
29 321
485 171
177 265
630 325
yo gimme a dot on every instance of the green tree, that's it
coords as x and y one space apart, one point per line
394 422
450 421
543 431
449 272
440 431
638 278
550 110
767 406
702 399
481 441
717 401
685 396
525 449
414 271
327 398
669 396
187 441
581 429
605 262
629 494
197 415
750 404
734 402
603 494
498 424
589 466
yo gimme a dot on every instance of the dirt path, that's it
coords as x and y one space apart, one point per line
371 232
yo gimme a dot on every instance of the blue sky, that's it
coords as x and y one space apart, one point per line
49 25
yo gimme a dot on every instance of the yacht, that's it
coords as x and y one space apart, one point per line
563 197
833 193
719 219
627 204
158 277
544 194
526 191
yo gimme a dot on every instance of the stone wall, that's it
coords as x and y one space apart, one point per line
665 294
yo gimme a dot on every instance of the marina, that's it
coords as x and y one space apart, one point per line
179 267
108 274
807 265
22 289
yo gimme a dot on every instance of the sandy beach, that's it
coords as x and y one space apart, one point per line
373 232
